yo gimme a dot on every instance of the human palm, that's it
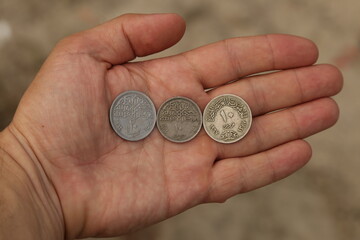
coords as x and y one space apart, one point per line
108 186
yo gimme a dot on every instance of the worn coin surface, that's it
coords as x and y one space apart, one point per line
227 118
179 119
132 115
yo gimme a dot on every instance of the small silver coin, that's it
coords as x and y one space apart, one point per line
227 118
179 119
132 115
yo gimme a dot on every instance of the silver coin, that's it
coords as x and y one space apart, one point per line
132 115
227 118
179 119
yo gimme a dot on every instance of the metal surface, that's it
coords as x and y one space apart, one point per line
179 119
227 118
132 115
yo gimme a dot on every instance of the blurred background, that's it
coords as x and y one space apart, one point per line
322 201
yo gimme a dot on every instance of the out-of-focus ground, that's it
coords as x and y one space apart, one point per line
322 201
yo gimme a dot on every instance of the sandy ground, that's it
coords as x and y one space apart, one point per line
322 201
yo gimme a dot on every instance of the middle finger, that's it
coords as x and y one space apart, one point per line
270 92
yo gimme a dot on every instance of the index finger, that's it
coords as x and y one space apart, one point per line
231 59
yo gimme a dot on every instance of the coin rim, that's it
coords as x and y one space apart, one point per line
199 111
206 108
152 108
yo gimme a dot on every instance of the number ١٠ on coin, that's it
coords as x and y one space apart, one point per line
227 118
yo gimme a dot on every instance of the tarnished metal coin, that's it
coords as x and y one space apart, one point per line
179 119
227 118
132 115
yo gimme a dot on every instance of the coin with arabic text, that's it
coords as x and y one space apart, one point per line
179 119
227 118
132 115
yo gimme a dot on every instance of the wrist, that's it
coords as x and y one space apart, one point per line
29 205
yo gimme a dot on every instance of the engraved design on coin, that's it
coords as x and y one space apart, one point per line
132 115
227 118
179 119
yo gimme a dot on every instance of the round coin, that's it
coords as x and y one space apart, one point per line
179 119
227 118
132 115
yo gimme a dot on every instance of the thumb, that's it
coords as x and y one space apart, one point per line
127 37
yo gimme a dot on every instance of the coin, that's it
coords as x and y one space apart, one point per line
132 115
227 118
179 119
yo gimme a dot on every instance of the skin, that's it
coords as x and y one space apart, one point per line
64 168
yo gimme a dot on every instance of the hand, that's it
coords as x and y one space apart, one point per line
107 186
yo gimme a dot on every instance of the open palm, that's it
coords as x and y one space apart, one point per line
108 186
